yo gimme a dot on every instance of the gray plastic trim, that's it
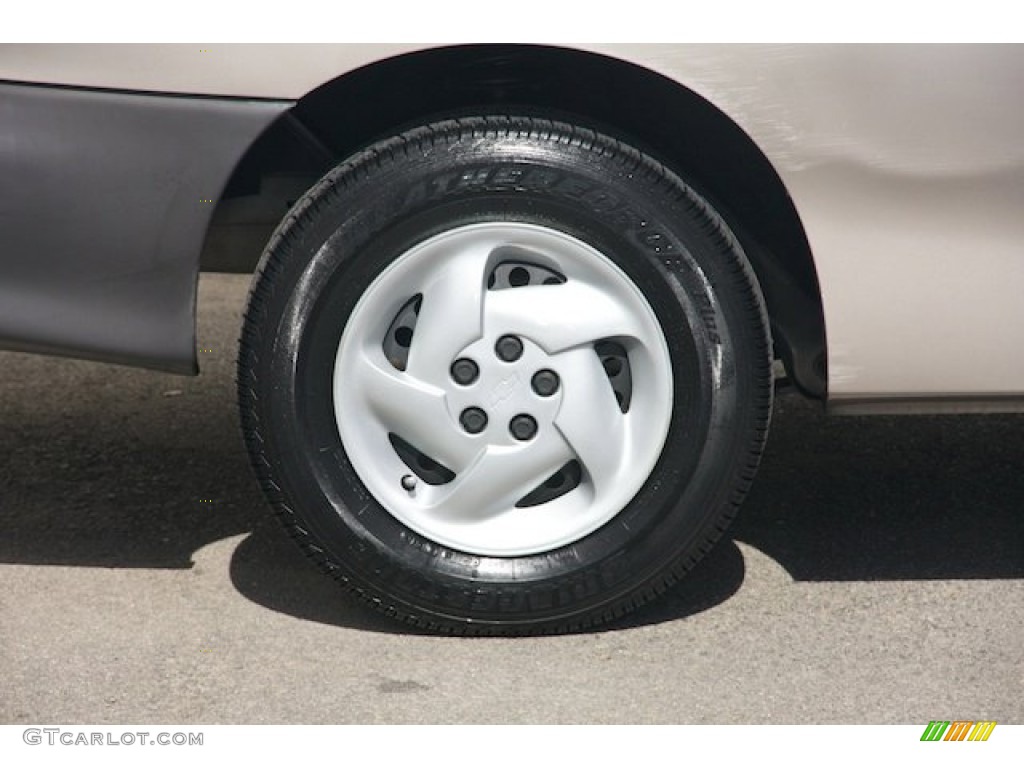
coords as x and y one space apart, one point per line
105 198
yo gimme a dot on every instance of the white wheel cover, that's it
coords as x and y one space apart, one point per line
558 326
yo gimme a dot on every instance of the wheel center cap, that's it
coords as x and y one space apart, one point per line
503 391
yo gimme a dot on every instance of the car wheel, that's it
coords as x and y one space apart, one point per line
504 374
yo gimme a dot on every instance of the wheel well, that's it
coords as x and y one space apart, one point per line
670 122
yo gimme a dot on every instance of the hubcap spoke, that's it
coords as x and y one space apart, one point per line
558 317
451 315
499 477
590 419
414 411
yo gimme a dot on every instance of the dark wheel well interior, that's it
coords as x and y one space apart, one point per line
641 107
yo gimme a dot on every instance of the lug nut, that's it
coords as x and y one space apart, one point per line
545 382
465 371
473 420
509 348
522 427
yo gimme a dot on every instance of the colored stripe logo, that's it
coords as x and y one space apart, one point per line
958 730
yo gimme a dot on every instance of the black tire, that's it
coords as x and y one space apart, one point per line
372 210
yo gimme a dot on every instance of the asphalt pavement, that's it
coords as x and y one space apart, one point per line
876 575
